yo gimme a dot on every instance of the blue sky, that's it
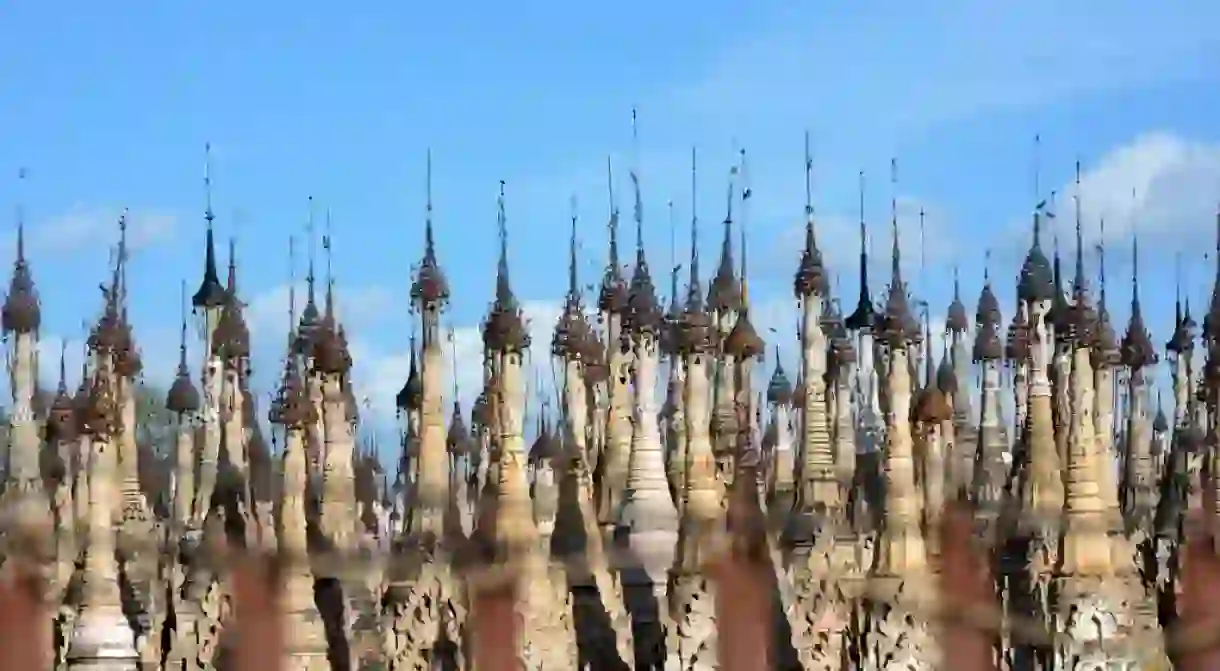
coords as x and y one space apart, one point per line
109 106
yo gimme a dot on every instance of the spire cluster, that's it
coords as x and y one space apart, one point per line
843 473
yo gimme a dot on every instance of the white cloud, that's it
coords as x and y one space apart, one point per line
357 307
158 352
380 370
838 237
380 374
49 348
82 228
1162 185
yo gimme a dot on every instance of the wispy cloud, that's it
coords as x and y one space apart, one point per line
81 228
380 372
358 308
925 238
1162 185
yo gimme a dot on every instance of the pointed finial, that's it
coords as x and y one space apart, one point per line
208 214
728 216
428 186
1218 232
120 272
613 269
311 238
292 283
1177 287
634 174
894 192
1076 193
232 280
694 293
745 302
328 250
864 246
573 285
808 179
1044 208
501 214
673 247
610 185
895 254
63 364
1135 266
1101 262
864 315
21 175
745 196
1080 278
956 320
123 234
504 297
746 189
861 190
182 332
639 218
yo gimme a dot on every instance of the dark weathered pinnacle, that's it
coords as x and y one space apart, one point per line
811 277
571 333
61 423
458 440
1081 322
1037 279
724 293
613 296
21 312
330 356
545 448
231 340
779 389
1016 349
896 322
430 287
297 409
743 341
100 412
988 307
1137 348
182 397
932 407
946 379
1183 339
987 343
504 330
411 396
956 320
1106 351
842 350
